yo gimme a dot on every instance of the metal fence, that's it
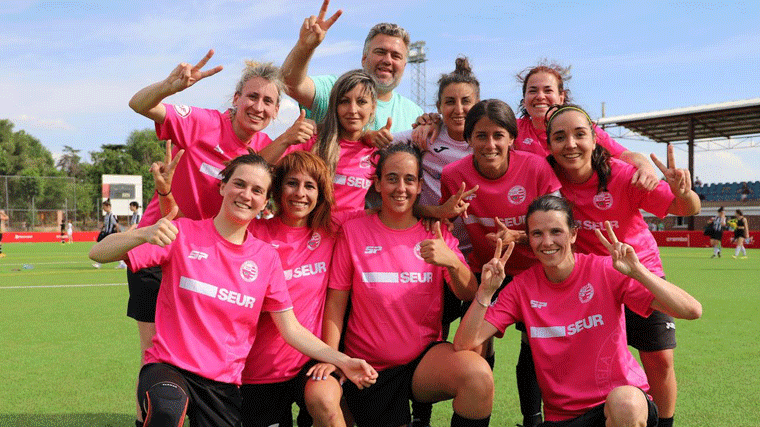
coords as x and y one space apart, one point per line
41 203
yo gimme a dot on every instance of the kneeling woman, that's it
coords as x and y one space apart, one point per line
217 279
572 305
394 271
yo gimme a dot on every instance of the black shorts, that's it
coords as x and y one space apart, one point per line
654 333
738 233
595 417
210 403
385 403
269 404
143 293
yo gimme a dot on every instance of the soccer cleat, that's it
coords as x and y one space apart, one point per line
713 256
744 257
2 255
733 256
96 265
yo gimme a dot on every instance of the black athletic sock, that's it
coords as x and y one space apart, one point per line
665 422
459 421
421 413
138 423
527 387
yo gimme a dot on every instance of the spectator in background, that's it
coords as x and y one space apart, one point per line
3 223
741 233
697 182
744 192
110 223
718 223
70 232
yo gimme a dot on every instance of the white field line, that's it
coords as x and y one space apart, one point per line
64 286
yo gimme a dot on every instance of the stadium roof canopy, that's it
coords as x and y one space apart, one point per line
702 122
724 120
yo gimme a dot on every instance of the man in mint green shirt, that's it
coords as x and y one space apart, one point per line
384 58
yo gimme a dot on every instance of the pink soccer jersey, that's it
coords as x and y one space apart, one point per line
211 295
620 206
533 140
576 330
507 198
209 141
305 256
353 173
396 297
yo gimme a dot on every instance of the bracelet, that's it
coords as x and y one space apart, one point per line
164 195
481 304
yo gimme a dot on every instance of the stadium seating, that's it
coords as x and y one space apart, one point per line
727 191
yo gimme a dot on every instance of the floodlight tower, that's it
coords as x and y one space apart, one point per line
419 76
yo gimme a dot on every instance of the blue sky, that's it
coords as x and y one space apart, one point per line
68 69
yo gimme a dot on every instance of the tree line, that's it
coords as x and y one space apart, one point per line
22 155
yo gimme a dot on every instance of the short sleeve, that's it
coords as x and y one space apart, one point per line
322 87
658 200
341 268
606 141
148 255
628 291
505 311
277 297
179 124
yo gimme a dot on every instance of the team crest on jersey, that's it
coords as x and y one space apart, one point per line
586 293
417 251
314 242
517 194
528 141
182 110
249 271
603 200
365 162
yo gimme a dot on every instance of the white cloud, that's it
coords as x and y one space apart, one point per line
31 123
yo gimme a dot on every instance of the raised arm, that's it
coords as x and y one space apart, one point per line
147 101
115 246
473 329
668 297
295 68
687 202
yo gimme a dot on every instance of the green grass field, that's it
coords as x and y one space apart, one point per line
70 354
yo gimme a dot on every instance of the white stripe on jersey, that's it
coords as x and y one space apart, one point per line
380 277
548 332
198 286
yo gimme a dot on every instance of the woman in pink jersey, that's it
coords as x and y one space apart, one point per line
393 272
342 141
506 181
600 189
572 306
217 279
303 232
210 138
544 86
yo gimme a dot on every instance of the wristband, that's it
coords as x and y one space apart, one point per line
164 195
481 304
